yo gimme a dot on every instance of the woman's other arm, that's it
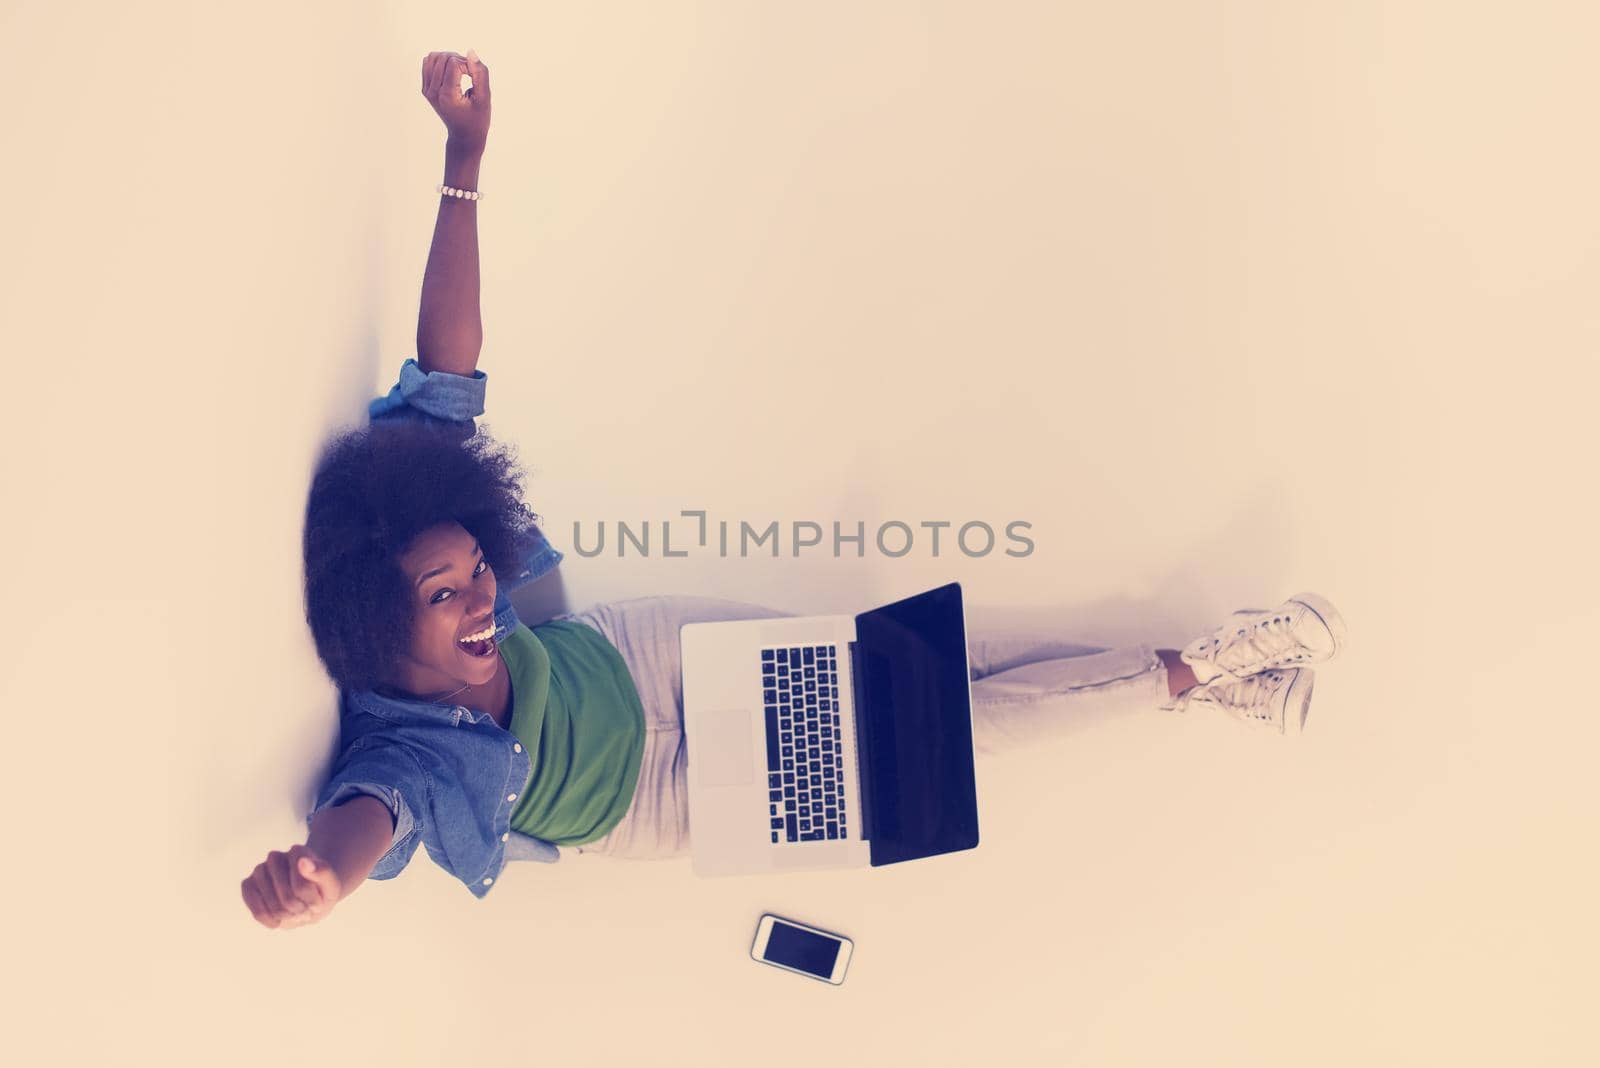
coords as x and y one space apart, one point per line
449 324
301 886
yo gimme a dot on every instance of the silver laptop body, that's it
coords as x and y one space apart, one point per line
773 735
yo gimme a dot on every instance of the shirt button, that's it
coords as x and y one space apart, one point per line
487 879
506 836
511 797
516 747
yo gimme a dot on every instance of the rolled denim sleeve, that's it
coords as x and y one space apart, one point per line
374 773
437 393
438 397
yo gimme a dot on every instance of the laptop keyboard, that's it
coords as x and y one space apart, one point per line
805 762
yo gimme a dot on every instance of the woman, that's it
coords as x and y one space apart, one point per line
486 740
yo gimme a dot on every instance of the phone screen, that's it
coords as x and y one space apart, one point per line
802 950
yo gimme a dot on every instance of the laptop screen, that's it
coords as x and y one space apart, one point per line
915 713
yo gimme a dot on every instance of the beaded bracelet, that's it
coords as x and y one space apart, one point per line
466 194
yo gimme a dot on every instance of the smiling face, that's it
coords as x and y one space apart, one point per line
454 591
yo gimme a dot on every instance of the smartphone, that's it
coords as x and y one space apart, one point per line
795 947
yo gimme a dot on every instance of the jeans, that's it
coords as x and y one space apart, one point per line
1024 687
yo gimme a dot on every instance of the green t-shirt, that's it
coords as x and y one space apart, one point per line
577 712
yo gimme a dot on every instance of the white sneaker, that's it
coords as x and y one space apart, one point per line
1305 629
1278 700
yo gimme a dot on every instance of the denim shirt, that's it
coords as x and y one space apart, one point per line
449 774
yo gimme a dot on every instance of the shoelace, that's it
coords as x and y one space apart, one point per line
1261 642
1249 698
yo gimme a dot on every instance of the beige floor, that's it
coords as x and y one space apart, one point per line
1226 301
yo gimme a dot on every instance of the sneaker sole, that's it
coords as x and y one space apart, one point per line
1297 703
1324 610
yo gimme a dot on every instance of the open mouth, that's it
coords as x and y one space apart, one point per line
478 649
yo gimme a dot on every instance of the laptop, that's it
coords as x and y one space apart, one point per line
834 741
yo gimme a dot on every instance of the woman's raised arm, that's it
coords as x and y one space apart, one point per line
449 325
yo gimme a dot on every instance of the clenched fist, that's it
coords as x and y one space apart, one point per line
291 889
465 114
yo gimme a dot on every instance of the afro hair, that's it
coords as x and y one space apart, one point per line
375 489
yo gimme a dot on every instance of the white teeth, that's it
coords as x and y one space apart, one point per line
482 635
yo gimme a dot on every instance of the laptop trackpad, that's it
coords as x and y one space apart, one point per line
726 752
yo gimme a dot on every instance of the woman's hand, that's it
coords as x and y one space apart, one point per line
291 889
465 115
